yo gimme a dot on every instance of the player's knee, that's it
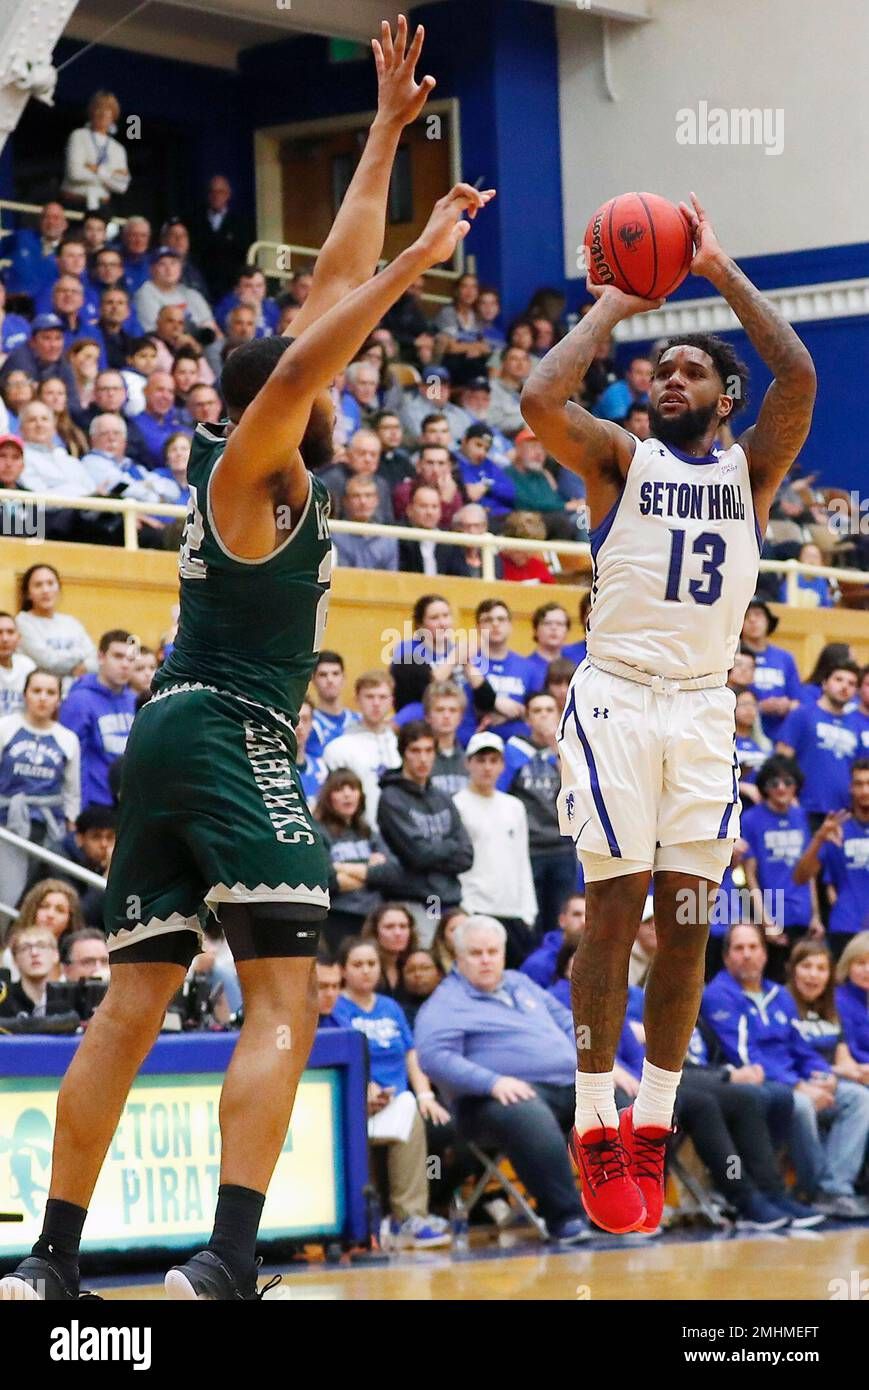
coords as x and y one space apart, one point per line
139 994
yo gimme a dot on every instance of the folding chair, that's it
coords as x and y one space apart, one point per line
490 1161
700 1196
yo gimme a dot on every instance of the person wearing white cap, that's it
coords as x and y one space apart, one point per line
499 883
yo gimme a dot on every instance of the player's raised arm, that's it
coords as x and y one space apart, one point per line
578 440
273 425
353 247
773 443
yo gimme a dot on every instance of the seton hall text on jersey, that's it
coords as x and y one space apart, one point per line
696 501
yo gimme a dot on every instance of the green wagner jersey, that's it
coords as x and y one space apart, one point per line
250 628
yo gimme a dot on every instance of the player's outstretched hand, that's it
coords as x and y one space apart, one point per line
447 227
708 252
626 304
399 96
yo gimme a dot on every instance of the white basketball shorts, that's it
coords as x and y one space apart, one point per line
641 769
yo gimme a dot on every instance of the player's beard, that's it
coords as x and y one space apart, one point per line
681 429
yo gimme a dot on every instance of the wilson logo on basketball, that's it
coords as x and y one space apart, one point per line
631 234
602 271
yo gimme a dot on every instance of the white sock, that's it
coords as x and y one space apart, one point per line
656 1097
595 1101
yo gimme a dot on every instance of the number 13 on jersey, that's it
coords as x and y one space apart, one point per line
707 588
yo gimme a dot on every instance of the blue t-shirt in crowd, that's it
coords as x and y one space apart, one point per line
825 745
750 757
775 673
846 868
325 727
508 675
574 651
389 1038
538 670
777 841
861 724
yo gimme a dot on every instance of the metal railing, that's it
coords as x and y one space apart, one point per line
488 543
286 272
48 856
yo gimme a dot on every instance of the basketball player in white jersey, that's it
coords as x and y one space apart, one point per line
649 777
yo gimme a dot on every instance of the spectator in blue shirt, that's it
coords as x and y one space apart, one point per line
575 651
852 999
811 982
331 718
550 624
824 741
328 991
397 1080
755 1022
752 746
157 421
99 709
777 682
14 330
839 850
506 671
32 252
776 833
483 481
503 1050
42 355
541 965
618 398
312 770
861 713
816 585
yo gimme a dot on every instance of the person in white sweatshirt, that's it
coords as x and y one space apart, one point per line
369 747
56 642
499 883
96 163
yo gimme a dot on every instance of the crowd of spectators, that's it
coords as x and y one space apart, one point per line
457 906
456 903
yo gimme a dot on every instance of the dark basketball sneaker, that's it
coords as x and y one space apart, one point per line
611 1197
206 1277
39 1280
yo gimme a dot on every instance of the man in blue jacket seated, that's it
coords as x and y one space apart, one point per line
755 1022
502 1052
540 965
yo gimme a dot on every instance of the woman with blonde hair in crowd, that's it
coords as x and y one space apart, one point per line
96 166
51 903
53 393
852 1000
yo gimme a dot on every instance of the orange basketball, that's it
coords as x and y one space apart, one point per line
640 243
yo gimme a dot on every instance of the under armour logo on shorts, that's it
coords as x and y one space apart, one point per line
601 713
570 805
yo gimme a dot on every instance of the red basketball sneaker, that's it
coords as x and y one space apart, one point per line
610 1195
646 1149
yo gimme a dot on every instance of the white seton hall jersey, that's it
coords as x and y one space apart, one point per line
675 563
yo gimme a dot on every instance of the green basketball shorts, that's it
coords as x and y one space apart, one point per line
211 812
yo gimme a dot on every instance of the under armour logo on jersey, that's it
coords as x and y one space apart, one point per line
601 713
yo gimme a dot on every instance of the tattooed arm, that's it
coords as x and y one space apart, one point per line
773 443
598 450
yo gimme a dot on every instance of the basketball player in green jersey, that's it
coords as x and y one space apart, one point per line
211 809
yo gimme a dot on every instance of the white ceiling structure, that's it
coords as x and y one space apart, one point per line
215 31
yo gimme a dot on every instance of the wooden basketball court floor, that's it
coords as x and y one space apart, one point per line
770 1267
